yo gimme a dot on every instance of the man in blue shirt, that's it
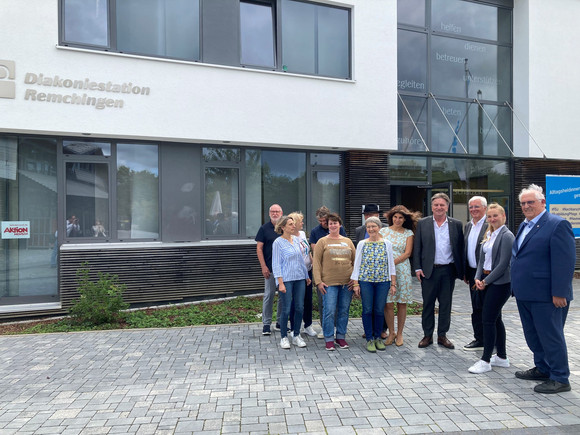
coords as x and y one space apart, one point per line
542 269
265 238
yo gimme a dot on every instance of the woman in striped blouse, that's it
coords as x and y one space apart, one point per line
291 276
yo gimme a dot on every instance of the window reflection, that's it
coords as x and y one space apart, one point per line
458 17
462 68
137 191
412 61
221 201
159 28
86 22
408 168
315 39
87 198
257 34
86 148
333 42
411 12
28 180
283 181
326 190
409 134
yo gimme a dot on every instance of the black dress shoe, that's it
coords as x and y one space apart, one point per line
474 345
532 374
444 341
426 341
552 387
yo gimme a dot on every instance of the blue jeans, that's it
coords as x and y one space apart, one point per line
336 300
307 314
374 298
294 292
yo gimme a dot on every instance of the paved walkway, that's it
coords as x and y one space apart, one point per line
231 379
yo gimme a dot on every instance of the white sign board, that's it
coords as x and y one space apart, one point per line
16 230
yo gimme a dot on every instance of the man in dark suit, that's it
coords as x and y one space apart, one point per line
438 260
360 233
473 234
542 268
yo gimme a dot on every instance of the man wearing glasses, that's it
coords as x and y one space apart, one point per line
265 238
473 234
542 268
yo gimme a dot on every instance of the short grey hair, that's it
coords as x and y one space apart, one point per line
373 220
441 195
481 199
535 189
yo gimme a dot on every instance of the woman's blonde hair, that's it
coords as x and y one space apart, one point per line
297 216
492 206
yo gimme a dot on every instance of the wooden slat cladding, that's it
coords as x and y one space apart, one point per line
367 181
163 274
528 171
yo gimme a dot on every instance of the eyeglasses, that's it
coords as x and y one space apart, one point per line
524 203
474 206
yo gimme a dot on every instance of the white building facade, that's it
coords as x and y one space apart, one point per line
149 138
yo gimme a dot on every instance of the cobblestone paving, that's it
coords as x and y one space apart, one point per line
231 379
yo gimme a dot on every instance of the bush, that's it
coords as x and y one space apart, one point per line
101 301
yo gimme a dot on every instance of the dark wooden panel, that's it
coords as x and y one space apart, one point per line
163 274
367 181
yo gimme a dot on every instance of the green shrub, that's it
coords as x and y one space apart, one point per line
101 301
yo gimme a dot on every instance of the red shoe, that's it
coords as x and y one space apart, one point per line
330 346
342 343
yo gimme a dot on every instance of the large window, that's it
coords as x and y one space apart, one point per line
28 182
110 199
264 177
453 54
313 38
257 34
137 191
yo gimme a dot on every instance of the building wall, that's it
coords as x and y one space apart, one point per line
545 68
192 102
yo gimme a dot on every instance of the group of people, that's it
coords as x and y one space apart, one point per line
536 266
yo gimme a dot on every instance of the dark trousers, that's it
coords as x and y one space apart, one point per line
477 300
493 327
307 316
439 287
543 326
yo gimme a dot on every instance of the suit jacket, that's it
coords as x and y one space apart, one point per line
501 255
543 266
424 246
359 233
466 232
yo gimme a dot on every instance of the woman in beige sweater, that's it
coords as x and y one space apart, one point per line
332 266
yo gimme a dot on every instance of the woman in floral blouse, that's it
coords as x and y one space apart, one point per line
373 275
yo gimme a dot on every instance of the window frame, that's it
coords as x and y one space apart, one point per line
111 162
276 6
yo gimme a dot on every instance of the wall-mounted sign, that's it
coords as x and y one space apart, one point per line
16 229
563 198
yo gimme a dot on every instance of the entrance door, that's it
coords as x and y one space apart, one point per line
418 198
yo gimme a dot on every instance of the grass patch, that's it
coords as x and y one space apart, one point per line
237 310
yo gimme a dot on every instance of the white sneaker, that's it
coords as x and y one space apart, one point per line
480 367
496 361
298 341
320 335
310 331
285 343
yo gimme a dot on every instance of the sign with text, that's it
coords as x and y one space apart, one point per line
563 198
16 229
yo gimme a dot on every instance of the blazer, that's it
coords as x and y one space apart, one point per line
501 255
359 233
543 266
466 232
424 246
